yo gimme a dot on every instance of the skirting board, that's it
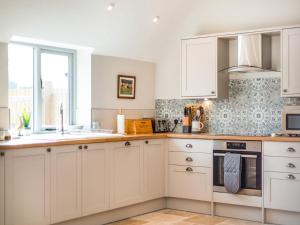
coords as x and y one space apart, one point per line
282 217
119 214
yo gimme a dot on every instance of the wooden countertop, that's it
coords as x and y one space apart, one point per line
31 143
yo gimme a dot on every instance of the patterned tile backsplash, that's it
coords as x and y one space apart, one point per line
253 108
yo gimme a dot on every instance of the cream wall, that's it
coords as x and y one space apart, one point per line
3 75
106 105
213 17
105 71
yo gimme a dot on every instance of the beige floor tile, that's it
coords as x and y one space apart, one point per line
129 222
206 220
179 213
158 217
238 222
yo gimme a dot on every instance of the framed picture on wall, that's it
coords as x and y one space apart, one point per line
126 86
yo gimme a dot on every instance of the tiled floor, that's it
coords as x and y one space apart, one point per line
174 217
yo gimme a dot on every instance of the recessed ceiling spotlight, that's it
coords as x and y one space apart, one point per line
110 6
156 19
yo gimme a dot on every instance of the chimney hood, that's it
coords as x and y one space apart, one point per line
254 53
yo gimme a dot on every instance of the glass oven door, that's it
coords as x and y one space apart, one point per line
251 169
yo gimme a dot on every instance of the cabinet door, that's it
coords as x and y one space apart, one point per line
199 67
291 65
27 187
190 182
126 174
65 183
282 191
154 169
95 162
2 188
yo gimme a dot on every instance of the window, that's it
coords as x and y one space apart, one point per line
41 79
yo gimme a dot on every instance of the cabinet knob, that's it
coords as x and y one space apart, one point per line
189 145
291 165
48 149
291 177
213 92
2 154
189 159
127 143
290 149
86 147
80 147
189 169
285 90
147 142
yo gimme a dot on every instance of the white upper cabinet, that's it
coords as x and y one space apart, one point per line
65 183
126 174
199 67
27 187
154 169
95 180
290 62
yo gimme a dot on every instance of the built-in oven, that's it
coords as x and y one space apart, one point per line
251 166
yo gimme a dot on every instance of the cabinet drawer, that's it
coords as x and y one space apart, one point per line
190 159
190 145
281 192
288 149
190 182
282 164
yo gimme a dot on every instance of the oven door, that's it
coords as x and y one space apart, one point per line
251 172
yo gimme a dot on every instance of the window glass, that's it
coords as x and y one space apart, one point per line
55 89
20 89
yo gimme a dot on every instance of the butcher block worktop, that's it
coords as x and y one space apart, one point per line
31 143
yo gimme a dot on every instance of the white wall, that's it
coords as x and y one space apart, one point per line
105 71
218 16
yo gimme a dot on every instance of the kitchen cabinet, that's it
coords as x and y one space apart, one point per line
282 191
290 61
65 183
154 169
95 178
199 68
126 173
190 182
27 187
2 154
198 64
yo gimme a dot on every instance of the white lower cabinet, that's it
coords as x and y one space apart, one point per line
154 169
27 187
2 154
95 178
65 183
126 173
282 191
190 182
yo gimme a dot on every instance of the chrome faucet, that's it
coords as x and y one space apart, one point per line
61 110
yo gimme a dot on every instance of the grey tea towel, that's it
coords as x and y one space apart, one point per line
232 172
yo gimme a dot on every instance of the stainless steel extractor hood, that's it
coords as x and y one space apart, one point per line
254 53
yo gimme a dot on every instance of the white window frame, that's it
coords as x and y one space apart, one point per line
37 84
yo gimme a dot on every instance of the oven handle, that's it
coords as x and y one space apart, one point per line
243 156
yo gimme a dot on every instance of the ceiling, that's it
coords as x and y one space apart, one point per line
128 30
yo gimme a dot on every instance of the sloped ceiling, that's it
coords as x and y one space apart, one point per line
128 30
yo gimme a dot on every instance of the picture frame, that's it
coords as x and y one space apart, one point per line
126 87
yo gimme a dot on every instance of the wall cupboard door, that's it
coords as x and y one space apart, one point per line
154 169
190 182
199 67
291 65
2 187
95 178
65 183
27 187
126 177
282 191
